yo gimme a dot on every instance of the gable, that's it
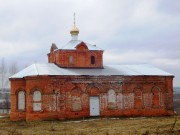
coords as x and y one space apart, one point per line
72 44
81 47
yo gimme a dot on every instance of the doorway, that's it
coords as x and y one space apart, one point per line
94 106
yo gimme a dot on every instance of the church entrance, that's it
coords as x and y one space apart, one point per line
94 106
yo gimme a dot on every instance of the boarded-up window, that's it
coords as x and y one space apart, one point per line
76 104
21 100
36 106
112 99
37 100
128 100
70 59
49 102
120 101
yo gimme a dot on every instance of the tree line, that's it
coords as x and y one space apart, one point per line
6 71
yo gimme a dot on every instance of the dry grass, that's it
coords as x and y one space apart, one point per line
118 126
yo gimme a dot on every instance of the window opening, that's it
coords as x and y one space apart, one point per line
92 60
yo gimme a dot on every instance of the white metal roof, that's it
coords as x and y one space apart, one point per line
125 70
71 45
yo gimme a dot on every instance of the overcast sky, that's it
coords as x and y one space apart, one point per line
129 31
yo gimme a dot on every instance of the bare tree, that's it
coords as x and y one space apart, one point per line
6 100
3 73
13 69
5 84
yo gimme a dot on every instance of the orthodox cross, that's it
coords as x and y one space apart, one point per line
74 19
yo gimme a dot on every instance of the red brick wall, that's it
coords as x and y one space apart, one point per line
65 97
17 85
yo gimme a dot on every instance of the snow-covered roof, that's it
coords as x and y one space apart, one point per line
71 45
124 70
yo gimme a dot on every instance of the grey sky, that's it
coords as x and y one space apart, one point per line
130 31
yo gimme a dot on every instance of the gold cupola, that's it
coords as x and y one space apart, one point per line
74 31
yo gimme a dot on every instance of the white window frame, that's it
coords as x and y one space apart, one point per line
70 59
37 101
21 100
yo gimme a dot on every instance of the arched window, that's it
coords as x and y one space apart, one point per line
92 60
21 100
112 99
70 59
37 100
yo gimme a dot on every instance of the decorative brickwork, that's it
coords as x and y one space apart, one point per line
63 99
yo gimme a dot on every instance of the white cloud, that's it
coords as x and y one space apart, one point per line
145 12
167 62
127 57
9 49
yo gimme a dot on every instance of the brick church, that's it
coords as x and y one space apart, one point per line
75 84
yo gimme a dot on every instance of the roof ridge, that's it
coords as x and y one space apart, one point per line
36 69
62 47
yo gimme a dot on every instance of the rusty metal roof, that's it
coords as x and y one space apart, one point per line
122 70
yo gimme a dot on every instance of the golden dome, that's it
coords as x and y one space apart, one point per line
74 30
